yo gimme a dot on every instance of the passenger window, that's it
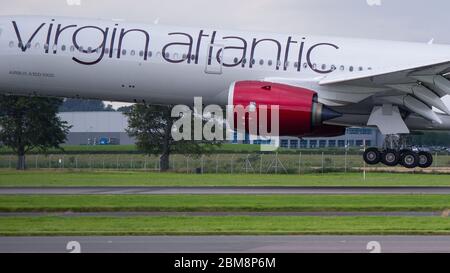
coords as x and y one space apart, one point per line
63 48
351 68
261 62
150 54
141 53
342 68
72 48
124 52
236 60
132 53
270 62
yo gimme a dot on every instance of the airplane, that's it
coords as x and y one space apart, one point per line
321 84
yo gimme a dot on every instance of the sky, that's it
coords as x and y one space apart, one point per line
406 20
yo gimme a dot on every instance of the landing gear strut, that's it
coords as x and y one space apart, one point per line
395 152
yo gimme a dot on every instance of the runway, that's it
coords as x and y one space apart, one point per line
220 190
229 244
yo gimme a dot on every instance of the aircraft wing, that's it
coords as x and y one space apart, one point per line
415 87
389 75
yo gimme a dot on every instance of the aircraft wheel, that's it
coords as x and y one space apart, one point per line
409 159
390 157
425 160
372 156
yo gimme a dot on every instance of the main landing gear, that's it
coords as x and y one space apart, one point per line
394 153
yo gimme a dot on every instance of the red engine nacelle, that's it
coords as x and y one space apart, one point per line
300 114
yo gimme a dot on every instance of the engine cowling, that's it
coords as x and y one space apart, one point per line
300 114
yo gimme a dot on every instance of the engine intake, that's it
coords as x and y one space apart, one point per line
300 113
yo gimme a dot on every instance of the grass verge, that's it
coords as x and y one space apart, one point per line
87 179
84 226
223 203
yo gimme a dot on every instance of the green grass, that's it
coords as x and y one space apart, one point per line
62 178
227 203
233 225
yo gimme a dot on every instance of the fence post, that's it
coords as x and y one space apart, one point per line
345 159
261 164
9 162
232 161
217 164
50 161
300 163
117 162
187 164
323 162
276 163
36 161
202 163
436 160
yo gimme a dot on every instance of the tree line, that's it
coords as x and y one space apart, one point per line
32 123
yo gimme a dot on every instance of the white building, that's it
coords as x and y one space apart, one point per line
92 128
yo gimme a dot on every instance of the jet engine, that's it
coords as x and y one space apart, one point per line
299 112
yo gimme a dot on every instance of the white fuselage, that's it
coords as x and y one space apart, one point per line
109 60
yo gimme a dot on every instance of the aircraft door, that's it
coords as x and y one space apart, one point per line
214 59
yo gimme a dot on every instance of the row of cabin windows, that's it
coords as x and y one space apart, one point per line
185 57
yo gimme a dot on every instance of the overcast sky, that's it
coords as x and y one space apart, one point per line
414 20
410 20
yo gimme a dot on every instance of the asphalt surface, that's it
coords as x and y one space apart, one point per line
220 190
229 244
255 214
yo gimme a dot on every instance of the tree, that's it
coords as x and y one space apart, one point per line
80 105
28 123
152 128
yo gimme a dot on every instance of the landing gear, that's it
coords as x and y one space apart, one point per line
390 157
425 160
372 156
394 153
409 159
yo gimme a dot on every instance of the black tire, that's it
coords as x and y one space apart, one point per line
425 160
372 156
390 157
409 160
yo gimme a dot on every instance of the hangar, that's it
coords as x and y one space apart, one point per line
102 128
